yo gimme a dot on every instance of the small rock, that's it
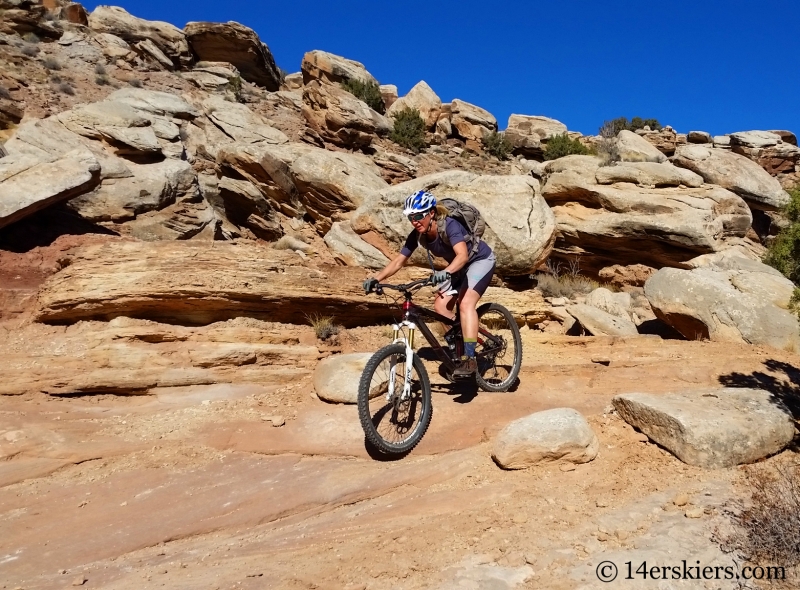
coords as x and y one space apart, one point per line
601 503
601 536
622 535
694 512
601 360
681 500
519 519
567 467
79 581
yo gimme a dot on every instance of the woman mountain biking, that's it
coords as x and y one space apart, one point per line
467 275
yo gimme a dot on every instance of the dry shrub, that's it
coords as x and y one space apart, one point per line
29 50
66 88
135 82
767 523
324 326
558 281
51 63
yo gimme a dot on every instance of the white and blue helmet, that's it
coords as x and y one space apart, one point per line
419 202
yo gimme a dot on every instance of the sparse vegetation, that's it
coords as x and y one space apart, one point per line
409 129
324 326
608 148
369 92
29 50
66 88
135 82
562 145
557 281
100 70
784 252
767 523
55 79
31 38
621 123
51 63
497 145
235 88
102 80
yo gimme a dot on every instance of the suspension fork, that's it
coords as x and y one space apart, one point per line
409 345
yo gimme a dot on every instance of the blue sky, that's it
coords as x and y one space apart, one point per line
713 65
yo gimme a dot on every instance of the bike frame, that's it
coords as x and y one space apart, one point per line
414 317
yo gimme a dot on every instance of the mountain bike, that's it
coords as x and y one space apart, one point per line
394 394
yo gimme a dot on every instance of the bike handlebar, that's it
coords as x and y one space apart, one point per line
418 284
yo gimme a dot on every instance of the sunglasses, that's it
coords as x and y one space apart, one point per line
418 216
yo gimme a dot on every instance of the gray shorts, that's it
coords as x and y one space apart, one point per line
476 276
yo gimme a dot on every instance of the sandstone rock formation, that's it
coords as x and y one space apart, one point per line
29 184
731 301
599 322
559 434
327 67
527 133
520 227
634 148
711 428
620 223
297 178
336 378
165 37
237 45
471 121
420 97
339 117
735 173
193 283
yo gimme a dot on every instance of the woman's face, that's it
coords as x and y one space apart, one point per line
421 224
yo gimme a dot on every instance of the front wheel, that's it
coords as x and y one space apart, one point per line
499 349
392 422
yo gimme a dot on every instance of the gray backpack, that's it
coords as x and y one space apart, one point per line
468 216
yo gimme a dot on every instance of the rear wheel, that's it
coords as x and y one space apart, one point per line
392 424
499 349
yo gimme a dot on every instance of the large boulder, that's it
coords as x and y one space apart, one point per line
29 184
235 44
621 223
561 434
471 121
665 140
336 378
327 67
168 38
598 322
732 303
341 118
735 173
634 148
527 133
713 428
420 97
153 102
519 225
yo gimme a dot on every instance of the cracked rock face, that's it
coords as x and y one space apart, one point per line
520 227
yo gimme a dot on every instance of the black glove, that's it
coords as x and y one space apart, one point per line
439 277
370 284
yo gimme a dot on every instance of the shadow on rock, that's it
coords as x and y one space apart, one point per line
784 384
44 227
